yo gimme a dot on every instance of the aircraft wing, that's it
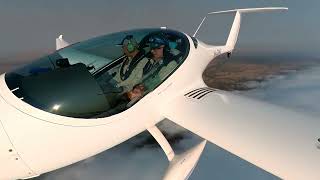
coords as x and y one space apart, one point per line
278 140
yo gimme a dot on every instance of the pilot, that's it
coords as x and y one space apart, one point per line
157 45
130 71
161 63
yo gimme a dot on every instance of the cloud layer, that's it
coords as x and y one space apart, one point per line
298 91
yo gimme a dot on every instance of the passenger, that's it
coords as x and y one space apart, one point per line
161 63
130 71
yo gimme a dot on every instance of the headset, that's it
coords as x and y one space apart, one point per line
131 43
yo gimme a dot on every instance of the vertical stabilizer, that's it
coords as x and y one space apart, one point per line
234 32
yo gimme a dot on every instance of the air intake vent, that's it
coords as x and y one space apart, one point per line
199 93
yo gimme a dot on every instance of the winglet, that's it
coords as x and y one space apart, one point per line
61 43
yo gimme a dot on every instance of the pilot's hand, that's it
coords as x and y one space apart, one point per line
136 92
140 87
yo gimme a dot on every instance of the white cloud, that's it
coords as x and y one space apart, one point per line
299 91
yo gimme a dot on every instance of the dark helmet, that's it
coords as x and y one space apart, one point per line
157 41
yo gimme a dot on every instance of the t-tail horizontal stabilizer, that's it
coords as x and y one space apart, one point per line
234 32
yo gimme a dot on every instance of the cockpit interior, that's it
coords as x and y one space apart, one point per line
102 76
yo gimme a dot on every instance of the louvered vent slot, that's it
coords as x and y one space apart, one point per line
199 93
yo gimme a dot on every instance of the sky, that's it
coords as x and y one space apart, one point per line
29 28
32 26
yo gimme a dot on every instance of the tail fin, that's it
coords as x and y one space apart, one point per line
234 32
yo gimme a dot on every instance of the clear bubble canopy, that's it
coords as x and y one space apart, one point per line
102 76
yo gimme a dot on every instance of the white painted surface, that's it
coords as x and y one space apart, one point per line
181 167
12 166
156 133
278 140
61 43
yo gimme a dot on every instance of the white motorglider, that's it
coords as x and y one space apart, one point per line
64 108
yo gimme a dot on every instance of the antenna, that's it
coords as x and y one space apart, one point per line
204 18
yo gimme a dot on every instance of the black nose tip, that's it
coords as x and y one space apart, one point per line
319 140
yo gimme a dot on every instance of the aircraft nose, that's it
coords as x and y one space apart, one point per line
11 165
